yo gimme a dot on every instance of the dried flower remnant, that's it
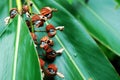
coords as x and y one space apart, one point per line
61 28
60 51
6 20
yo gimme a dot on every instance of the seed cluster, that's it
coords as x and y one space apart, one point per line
37 20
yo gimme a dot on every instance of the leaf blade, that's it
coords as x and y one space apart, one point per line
78 42
25 61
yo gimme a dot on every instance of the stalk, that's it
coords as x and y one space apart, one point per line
19 5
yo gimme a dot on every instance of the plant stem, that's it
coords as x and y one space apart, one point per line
19 5
30 11
39 31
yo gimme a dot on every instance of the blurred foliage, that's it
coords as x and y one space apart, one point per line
83 57
118 3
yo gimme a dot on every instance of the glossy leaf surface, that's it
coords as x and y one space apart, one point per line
18 60
101 20
82 58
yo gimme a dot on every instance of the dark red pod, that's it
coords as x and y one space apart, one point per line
51 70
25 9
47 12
45 40
34 37
51 30
50 54
37 21
28 23
13 12
46 47
42 63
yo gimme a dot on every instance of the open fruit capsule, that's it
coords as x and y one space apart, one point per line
45 40
13 12
37 20
52 71
51 30
47 12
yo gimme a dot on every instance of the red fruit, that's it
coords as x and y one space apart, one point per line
45 40
42 62
47 12
25 9
51 54
13 12
51 70
46 47
33 36
28 23
51 30
37 21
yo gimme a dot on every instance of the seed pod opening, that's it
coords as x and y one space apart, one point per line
13 12
51 70
50 42
37 21
47 12
45 40
50 54
51 30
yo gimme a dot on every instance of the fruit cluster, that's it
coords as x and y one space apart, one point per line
34 20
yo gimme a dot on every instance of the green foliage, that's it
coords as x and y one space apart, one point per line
18 59
70 1
82 58
118 3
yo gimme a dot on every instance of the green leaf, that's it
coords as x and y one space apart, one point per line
118 3
101 21
100 24
3 13
70 1
82 59
5 7
18 58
